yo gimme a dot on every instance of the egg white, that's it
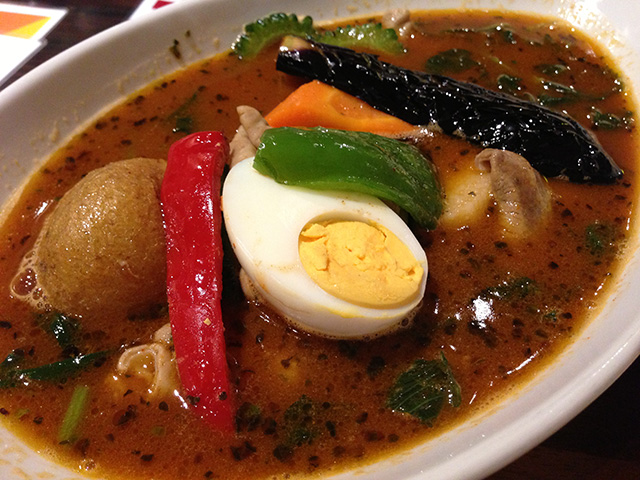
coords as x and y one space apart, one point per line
264 219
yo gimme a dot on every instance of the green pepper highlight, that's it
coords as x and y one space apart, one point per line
324 159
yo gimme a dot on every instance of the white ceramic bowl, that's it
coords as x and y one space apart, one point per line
39 112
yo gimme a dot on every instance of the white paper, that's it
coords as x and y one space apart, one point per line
15 52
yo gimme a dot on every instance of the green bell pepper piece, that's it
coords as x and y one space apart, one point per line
325 159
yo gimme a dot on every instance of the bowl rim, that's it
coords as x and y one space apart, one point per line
508 443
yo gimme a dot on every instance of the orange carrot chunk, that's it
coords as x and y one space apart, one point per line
316 104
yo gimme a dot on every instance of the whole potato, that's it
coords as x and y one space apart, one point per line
102 250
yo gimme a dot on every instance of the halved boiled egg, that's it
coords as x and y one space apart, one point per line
342 265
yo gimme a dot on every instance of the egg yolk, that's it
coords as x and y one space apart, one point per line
363 264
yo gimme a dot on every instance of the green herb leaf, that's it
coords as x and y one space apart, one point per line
11 362
300 422
609 121
509 83
182 116
454 60
520 287
424 388
63 328
248 417
11 375
74 414
551 69
600 238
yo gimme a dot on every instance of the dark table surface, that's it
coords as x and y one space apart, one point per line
603 442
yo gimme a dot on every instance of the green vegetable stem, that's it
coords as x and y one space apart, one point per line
74 414
325 159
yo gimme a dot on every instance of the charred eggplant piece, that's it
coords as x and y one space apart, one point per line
554 144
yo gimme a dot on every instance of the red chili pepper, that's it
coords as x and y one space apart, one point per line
190 197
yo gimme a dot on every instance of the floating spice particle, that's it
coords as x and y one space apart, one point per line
208 474
243 451
175 49
500 245
222 396
140 122
270 426
331 428
348 349
451 327
362 418
375 366
314 461
121 418
193 400
373 436
22 413
5 325
541 333
553 265
82 446
286 362
147 457
282 452
392 438
38 420
163 406
4 411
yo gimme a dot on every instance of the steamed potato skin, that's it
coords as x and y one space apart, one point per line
102 250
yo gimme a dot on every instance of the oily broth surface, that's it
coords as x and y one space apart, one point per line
126 435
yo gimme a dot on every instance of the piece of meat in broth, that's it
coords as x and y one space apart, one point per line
522 195
247 139
399 19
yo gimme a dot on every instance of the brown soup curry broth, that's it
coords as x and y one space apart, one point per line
561 276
